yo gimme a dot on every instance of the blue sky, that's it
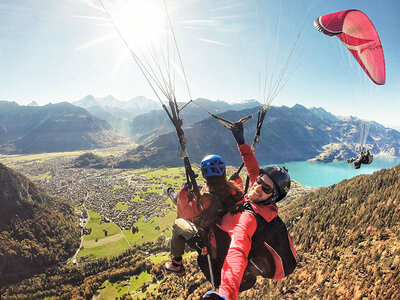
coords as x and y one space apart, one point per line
52 51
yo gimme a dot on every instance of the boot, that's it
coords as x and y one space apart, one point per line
175 266
172 195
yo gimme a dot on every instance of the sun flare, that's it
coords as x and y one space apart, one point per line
141 22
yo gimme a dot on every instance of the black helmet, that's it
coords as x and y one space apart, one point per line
280 177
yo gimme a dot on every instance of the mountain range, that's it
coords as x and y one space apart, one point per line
131 117
288 134
116 112
51 128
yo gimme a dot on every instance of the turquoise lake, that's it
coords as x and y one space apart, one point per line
316 174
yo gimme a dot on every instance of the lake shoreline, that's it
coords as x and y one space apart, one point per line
319 174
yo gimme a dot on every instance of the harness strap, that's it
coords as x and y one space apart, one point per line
241 207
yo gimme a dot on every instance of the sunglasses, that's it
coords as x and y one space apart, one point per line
265 187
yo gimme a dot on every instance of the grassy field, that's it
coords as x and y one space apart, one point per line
165 256
106 249
113 290
150 289
97 244
137 197
44 177
147 230
37 157
98 227
121 206
172 177
159 257
42 157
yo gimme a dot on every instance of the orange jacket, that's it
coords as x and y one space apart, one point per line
188 206
190 209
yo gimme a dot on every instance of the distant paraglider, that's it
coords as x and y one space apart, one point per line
363 158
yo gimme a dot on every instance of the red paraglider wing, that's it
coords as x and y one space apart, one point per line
359 35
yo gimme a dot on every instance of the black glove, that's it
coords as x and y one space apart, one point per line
234 176
196 243
237 131
187 186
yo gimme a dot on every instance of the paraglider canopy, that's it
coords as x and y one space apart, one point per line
359 35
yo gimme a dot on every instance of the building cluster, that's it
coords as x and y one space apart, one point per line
100 190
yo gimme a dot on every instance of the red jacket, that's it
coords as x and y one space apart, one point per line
203 213
241 227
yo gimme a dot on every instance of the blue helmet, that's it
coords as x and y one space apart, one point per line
212 165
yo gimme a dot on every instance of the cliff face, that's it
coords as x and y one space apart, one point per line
50 128
36 230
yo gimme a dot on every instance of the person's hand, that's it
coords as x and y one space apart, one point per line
238 133
187 186
234 176
211 295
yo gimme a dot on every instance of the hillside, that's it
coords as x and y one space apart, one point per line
51 128
347 236
89 160
288 134
36 230
347 240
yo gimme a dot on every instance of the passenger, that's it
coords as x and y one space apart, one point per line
196 216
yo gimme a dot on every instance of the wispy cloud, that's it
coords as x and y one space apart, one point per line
90 3
212 42
236 5
99 40
207 22
232 17
90 18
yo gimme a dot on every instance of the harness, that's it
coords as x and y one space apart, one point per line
241 207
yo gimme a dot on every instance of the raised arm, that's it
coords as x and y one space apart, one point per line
250 161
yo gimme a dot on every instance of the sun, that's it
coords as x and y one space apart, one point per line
146 31
142 23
